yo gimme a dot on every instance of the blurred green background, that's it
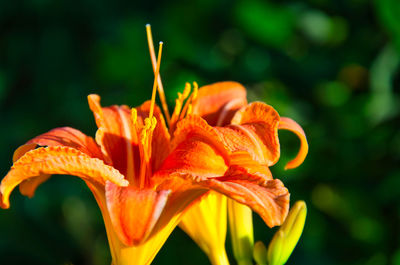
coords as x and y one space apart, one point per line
330 65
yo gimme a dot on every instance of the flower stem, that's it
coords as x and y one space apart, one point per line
218 258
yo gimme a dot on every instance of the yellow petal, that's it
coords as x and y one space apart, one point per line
205 222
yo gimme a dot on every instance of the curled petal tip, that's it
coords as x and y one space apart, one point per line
93 96
4 202
291 125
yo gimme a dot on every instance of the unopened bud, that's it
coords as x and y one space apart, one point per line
241 227
286 238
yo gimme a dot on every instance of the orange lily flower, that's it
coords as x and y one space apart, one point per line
143 179
226 99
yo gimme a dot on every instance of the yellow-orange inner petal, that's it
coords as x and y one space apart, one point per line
134 211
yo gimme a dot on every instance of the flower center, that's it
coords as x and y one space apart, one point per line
183 106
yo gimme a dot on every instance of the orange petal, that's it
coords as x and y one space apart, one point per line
67 136
270 199
244 160
115 134
133 211
161 136
196 150
22 150
218 102
64 136
254 130
291 125
29 186
58 160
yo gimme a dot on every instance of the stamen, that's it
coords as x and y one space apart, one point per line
195 91
178 106
153 96
185 108
186 91
134 116
188 108
153 63
145 149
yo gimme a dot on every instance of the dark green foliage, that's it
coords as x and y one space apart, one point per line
331 65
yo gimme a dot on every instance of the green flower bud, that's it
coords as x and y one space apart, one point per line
286 238
241 228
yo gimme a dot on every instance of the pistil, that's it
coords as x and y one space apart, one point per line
158 76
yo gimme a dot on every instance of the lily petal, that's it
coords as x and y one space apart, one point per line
197 150
205 222
197 158
270 199
115 135
142 254
245 161
29 186
58 160
67 136
124 204
254 130
218 102
291 125
64 136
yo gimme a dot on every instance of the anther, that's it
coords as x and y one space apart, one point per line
134 116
